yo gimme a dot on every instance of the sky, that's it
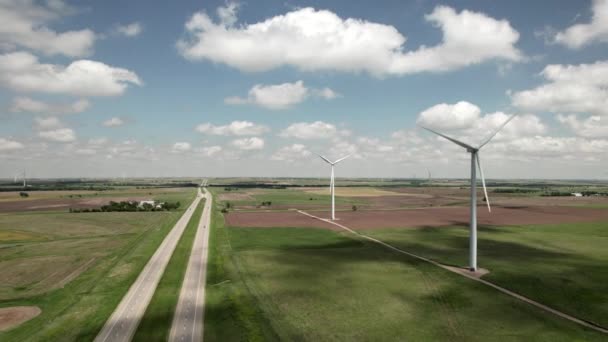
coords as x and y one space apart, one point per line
259 88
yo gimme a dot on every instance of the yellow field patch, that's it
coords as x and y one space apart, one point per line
12 235
353 192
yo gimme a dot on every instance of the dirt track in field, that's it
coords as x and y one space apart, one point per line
13 316
427 217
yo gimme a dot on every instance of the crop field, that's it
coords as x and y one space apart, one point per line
76 266
285 276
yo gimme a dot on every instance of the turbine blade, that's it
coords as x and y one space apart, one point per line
483 182
326 160
450 139
496 131
341 159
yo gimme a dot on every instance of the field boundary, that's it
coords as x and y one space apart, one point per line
471 276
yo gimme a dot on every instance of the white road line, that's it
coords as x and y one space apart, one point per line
133 305
579 321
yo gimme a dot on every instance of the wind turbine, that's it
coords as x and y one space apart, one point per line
332 183
24 182
474 151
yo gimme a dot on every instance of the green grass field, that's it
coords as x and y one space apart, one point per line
287 197
75 267
562 265
156 323
312 284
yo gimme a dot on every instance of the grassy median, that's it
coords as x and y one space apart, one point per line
156 323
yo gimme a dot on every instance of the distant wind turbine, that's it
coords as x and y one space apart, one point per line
474 151
332 183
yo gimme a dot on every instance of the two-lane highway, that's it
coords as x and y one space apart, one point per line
188 320
126 317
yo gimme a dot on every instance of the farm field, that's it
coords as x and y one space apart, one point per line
298 276
76 266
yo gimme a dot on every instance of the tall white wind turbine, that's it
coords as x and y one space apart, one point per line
474 151
332 183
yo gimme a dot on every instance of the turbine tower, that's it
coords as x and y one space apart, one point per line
24 182
474 151
332 183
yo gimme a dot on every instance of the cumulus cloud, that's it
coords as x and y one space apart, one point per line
291 153
43 123
312 130
445 116
579 35
114 122
592 127
180 147
280 96
579 88
210 151
63 135
10 145
21 71
310 40
25 24
327 93
249 144
238 128
29 105
276 97
464 119
130 30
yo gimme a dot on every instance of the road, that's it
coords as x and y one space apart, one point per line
188 320
126 317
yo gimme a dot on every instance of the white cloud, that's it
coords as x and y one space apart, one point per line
21 71
210 151
98 141
114 122
447 116
25 24
248 144
374 145
579 88
29 105
558 147
592 127
239 128
280 96
464 119
327 93
312 130
310 40
275 97
86 151
45 123
63 135
579 35
291 153
180 147
130 30
9 145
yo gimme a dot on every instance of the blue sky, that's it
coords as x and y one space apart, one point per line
257 88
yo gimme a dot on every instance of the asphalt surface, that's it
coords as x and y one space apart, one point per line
188 320
123 323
